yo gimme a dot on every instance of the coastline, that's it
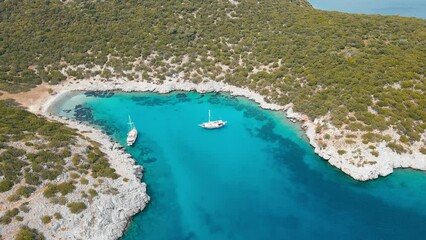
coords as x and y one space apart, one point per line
110 211
351 84
110 215
349 163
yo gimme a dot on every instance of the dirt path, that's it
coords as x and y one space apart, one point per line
18 203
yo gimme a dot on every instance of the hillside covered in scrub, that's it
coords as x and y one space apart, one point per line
360 73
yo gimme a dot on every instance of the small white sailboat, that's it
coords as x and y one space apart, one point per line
132 134
213 124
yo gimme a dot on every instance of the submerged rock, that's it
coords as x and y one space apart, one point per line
101 94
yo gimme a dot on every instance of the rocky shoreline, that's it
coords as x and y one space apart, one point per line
349 163
109 214
109 202
355 161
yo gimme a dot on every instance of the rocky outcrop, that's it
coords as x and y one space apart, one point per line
109 214
357 161
110 203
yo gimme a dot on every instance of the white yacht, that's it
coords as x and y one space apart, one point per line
132 134
213 124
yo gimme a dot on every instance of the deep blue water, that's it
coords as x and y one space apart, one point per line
407 8
256 178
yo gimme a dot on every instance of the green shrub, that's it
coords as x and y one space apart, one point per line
66 152
404 139
374 137
99 165
12 213
25 191
93 193
351 136
341 151
57 215
24 208
8 215
14 198
50 191
398 148
76 159
5 185
32 179
74 175
5 220
46 219
339 116
26 233
76 207
84 181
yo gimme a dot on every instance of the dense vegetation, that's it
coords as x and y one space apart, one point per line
49 140
367 72
35 150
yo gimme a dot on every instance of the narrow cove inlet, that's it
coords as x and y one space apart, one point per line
255 178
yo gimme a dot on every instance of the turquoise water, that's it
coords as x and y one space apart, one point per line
407 8
256 178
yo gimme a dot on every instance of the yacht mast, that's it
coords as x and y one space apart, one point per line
130 123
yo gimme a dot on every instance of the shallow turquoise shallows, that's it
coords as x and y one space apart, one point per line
256 178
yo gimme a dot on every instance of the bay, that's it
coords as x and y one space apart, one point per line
256 178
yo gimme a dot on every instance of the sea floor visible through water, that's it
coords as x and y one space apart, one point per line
255 178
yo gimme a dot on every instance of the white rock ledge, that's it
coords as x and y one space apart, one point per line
384 165
109 215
